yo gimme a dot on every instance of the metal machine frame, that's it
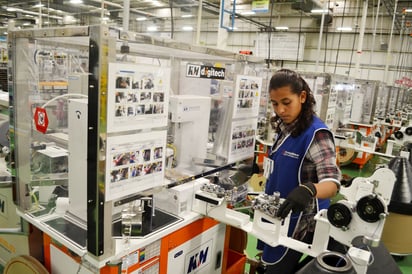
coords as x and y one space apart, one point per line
362 212
30 125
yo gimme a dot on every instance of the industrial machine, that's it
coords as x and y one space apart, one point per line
361 213
112 150
96 113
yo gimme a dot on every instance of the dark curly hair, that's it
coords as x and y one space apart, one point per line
287 77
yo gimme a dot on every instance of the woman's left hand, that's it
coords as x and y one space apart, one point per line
297 200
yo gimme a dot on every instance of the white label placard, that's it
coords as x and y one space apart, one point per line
135 163
137 96
283 46
247 96
242 141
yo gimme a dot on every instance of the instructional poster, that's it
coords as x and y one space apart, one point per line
135 163
247 96
137 96
242 141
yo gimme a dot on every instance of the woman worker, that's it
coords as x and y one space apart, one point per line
304 169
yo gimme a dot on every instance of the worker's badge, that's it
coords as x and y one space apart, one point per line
267 167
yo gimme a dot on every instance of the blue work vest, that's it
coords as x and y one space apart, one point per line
286 175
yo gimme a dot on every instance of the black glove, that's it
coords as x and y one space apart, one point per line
297 199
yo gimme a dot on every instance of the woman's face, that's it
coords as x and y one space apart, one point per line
287 105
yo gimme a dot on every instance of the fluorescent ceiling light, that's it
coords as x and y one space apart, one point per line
344 29
38 6
187 28
76 1
248 12
319 11
157 3
187 15
408 10
152 28
69 19
141 18
281 28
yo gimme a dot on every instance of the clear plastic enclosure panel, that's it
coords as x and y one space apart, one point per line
381 101
48 73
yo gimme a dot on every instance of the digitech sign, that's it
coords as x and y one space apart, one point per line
197 71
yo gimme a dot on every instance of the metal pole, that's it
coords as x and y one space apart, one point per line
374 36
126 13
101 11
199 22
40 15
222 33
361 36
388 55
321 32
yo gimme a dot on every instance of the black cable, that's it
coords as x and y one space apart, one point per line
351 56
326 43
353 44
405 58
270 32
326 46
340 36
400 63
300 32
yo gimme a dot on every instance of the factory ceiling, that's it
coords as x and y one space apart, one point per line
46 13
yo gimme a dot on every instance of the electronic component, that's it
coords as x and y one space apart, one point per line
268 204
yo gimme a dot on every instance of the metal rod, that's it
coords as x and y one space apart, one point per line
321 32
374 36
126 14
199 22
361 36
389 52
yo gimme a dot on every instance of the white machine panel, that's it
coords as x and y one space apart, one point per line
178 200
63 264
78 157
78 83
191 117
201 255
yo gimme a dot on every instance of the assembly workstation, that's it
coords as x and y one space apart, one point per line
128 153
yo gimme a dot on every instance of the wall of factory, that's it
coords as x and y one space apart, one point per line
338 51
